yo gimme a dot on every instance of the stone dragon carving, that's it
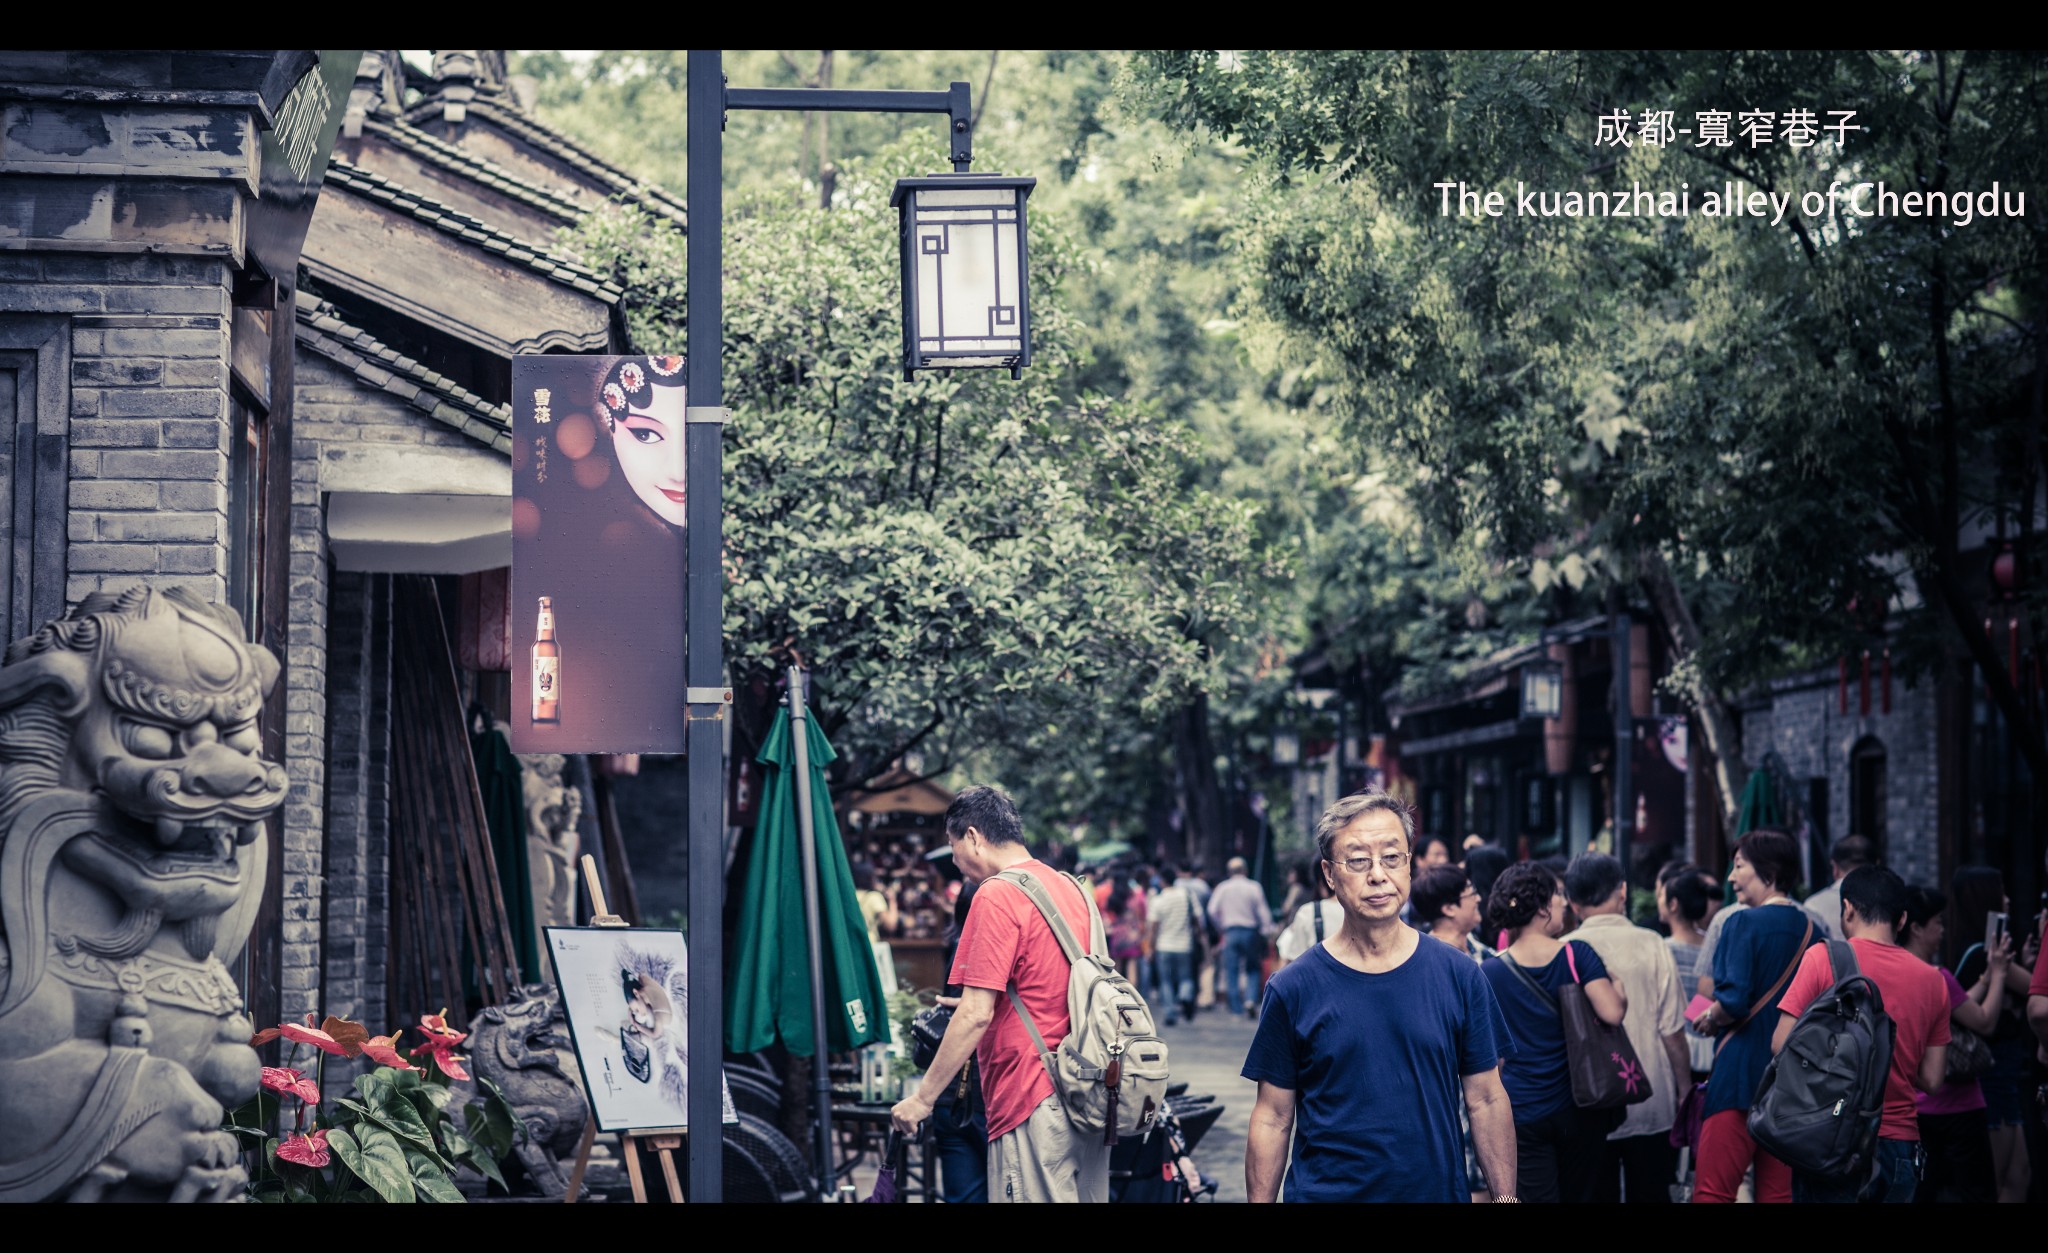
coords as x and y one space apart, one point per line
133 790
520 1046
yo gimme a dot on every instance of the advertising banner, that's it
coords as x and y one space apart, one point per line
597 554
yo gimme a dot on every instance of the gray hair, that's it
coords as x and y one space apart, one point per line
1353 807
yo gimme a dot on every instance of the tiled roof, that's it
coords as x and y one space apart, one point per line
321 329
343 174
552 142
475 168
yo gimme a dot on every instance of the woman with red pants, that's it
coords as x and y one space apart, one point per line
1759 951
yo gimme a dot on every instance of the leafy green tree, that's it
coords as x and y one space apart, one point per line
1231 503
965 560
1755 426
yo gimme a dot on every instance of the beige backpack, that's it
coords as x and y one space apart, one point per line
1110 1071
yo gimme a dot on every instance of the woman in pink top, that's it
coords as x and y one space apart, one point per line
1953 1128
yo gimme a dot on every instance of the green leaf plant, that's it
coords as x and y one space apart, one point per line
400 1138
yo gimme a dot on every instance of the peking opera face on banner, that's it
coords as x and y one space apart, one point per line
597 554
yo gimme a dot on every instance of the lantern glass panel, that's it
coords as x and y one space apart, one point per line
967 276
1542 692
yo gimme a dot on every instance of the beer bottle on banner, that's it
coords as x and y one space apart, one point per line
547 668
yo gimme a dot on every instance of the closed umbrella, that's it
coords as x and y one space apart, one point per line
787 982
1759 803
1759 808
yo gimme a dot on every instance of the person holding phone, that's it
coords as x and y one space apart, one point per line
1981 911
1952 1123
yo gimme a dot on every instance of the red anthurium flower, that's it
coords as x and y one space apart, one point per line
441 1040
305 1150
285 1080
439 1034
264 1037
384 1049
311 1035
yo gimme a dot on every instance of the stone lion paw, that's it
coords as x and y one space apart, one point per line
210 1184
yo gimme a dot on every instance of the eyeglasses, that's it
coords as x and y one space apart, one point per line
1360 865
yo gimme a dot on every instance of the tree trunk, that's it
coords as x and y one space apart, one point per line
1201 795
1724 736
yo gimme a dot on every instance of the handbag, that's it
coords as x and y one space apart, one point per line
1969 1057
1605 1071
1969 1054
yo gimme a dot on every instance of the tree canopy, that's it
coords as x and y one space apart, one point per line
1775 431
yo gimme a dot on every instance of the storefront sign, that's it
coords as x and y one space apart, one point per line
597 554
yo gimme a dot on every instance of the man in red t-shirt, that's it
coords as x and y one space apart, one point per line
1916 998
1034 1154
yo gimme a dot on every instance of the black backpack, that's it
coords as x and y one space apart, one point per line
1822 1097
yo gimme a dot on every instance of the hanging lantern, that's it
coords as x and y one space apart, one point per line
966 302
1542 689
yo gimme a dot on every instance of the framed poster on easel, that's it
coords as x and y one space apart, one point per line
625 991
626 994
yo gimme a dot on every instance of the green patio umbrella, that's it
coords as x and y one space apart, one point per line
805 967
1759 803
1759 808
768 990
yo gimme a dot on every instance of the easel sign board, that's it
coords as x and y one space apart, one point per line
626 993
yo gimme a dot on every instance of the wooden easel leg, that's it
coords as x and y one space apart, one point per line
668 1172
665 1147
632 1148
583 1147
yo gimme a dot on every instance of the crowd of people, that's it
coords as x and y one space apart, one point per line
1422 1035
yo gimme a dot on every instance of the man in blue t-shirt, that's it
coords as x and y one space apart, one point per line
1365 1043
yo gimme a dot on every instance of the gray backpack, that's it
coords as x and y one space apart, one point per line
1822 1098
1110 1071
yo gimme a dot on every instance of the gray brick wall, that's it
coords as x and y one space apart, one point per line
149 408
1804 722
306 730
331 408
347 617
346 861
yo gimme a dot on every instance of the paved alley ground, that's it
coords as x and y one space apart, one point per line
1208 1053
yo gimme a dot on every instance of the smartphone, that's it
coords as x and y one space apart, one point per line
1994 930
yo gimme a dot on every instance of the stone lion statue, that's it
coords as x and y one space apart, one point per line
520 1047
133 790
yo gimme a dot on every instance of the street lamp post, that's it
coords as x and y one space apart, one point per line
968 237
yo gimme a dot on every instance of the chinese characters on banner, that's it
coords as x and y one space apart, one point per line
597 554
1711 128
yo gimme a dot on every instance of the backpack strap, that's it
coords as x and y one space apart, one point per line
1842 960
1035 892
1542 993
1037 1040
1316 907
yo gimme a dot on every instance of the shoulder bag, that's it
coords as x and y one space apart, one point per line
1605 1071
1969 1054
